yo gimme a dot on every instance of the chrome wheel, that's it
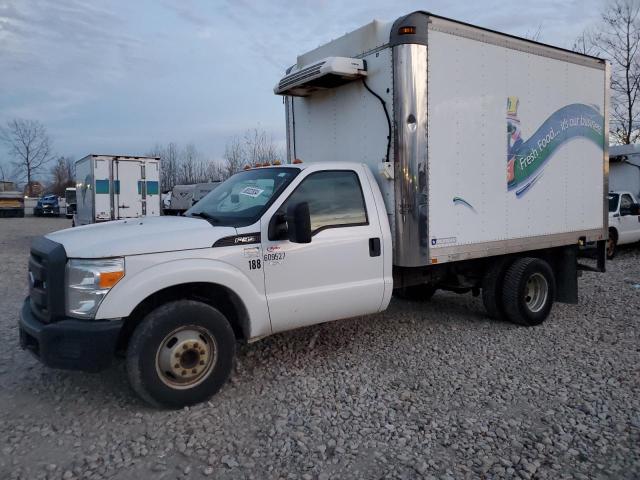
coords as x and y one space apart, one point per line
186 357
536 292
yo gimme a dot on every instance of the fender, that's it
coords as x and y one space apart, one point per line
136 286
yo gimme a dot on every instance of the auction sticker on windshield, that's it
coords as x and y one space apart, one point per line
251 191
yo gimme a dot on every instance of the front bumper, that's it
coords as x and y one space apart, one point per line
46 210
87 345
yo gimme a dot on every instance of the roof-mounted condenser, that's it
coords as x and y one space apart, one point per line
321 75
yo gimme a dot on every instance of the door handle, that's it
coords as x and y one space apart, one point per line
374 247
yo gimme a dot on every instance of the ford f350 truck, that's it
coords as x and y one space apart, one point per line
435 155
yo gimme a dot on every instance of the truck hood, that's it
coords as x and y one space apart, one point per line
138 236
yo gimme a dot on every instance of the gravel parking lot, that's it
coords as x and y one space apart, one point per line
432 390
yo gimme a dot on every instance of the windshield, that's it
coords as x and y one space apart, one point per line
243 198
613 201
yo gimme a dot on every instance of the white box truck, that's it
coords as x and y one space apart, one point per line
435 155
114 187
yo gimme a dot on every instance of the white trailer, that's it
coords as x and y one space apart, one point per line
437 155
181 199
201 190
624 164
114 187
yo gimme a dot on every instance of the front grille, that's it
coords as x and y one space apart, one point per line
46 279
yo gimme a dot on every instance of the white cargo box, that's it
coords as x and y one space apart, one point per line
114 187
482 143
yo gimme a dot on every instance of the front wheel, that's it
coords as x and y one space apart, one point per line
528 292
181 353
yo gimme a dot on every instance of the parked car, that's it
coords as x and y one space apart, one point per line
48 204
624 221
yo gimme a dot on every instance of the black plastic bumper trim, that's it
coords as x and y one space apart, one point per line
71 344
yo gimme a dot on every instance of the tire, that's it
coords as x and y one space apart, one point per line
612 244
194 335
492 285
528 291
415 293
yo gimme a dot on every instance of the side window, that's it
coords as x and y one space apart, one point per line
625 204
335 199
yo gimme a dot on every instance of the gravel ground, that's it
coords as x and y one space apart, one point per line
431 390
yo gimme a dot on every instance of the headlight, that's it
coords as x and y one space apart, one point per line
88 281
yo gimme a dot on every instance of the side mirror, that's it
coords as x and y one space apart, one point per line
635 209
299 223
278 226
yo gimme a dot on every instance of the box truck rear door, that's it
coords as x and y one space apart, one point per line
129 189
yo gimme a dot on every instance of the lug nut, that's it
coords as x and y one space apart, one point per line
177 365
201 362
184 372
194 371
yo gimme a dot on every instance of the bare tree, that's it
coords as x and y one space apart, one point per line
255 147
169 164
618 39
63 175
234 158
534 34
259 147
29 145
585 43
4 176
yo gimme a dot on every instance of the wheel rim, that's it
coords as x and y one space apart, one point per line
536 292
186 357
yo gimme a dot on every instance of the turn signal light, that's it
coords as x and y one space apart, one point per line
109 279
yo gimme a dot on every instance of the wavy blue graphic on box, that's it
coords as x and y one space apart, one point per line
525 159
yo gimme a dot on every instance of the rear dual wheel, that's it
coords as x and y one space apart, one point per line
521 292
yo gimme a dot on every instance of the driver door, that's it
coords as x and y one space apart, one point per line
337 275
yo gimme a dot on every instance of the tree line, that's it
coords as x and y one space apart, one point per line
32 159
186 165
616 37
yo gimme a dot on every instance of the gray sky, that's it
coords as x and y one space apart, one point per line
119 76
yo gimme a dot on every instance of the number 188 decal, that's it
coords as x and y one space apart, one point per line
254 264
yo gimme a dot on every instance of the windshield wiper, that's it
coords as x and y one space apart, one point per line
206 216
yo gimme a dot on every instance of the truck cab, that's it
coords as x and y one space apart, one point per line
624 220
270 249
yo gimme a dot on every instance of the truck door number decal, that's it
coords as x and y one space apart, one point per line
255 264
274 257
